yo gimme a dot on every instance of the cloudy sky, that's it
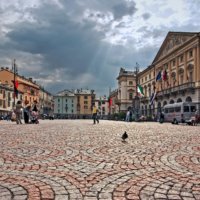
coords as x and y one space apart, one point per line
65 44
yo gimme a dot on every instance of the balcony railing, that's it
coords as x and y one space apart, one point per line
117 101
176 89
144 99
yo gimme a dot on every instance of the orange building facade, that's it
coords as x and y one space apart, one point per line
28 88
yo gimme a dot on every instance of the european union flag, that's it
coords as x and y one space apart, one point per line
159 76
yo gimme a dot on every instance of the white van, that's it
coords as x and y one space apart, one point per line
179 112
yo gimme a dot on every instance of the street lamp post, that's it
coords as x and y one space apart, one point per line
14 83
136 101
43 104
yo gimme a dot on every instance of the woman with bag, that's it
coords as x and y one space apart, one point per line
18 112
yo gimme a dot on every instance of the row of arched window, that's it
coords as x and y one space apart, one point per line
188 99
159 106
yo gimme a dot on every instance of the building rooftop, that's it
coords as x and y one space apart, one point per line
123 72
66 93
84 91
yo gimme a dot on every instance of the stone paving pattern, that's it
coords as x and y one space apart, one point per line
74 159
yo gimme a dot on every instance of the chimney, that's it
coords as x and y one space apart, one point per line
30 79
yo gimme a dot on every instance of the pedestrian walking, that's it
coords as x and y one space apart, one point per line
35 106
26 113
18 112
161 117
128 116
131 116
94 114
35 113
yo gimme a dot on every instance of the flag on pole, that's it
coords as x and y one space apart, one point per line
168 83
153 96
174 80
140 90
187 77
159 76
16 84
110 102
164 75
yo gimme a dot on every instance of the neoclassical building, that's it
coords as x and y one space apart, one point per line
126 90
179 56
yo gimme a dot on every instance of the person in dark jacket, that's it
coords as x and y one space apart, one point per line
161 117
26 114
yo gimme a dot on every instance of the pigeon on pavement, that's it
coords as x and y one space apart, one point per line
124 136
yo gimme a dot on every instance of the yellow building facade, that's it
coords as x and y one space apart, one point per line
147 81
179 57
85 101
46 103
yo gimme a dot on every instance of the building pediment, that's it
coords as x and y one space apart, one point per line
172 41
131 90
65 93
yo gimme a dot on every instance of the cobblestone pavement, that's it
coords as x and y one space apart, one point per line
74 159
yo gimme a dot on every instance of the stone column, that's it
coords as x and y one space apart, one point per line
198 73
185 68
177 75
170 73
195 65
198 64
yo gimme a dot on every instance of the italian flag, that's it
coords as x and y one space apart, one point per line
140 90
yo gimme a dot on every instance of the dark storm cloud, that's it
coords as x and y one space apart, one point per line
63 43
66 45
146 16
116 7
153 33
121 25
125 8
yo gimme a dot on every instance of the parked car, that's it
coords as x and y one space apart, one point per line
47 116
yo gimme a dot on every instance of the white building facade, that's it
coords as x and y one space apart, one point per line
65 104
7 99
103 106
